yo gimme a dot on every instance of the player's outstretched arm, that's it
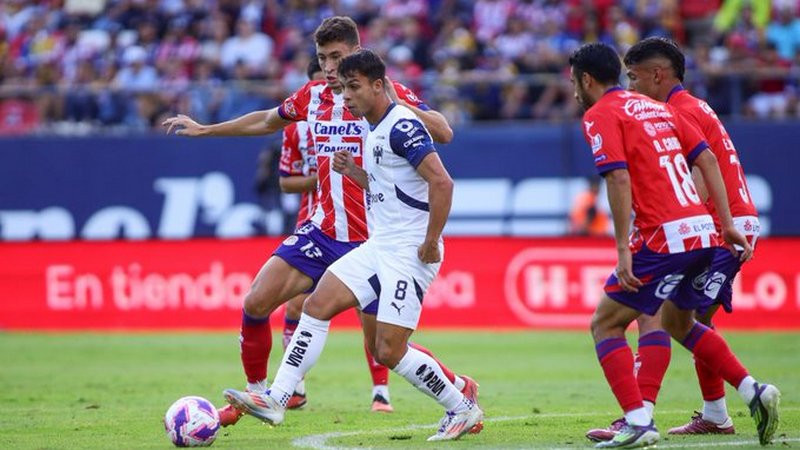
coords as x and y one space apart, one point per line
297 184
440 199
251 124
434 121
708 165
344 163
618 185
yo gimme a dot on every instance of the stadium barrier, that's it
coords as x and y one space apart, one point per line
491 283
511 179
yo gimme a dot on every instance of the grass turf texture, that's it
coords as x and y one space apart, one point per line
542 389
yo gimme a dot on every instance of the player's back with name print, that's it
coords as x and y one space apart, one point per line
657 146
397 201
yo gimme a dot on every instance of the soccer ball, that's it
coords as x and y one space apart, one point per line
192 422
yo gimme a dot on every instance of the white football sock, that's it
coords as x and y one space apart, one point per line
459 383
382 390
422 371
747 389
638 417
301 355
301 387
650 407
259 386
715 411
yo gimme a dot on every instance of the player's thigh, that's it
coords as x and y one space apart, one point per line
611 318
404 279
348 278
391 343
330 298
275 283
294 307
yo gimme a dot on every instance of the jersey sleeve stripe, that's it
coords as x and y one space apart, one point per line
284 173
411 201
696 151
608 167
424 107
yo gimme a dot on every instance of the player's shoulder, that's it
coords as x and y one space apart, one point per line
406 94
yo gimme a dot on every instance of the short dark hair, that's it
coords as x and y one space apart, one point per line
365 62
313 67
598 60
653 47
337 29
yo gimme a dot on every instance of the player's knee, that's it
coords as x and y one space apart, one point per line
676 328
317 308
596 327
293 309
387 354
254 305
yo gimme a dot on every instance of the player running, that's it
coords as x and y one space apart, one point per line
644 150
656 68
298 174
338 223
410 193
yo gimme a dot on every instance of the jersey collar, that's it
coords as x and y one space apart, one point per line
388 110
614 89
679 87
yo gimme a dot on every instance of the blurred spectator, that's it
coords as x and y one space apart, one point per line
585 217
784 32
772 98
250 47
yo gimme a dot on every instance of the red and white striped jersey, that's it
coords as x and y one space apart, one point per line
297 159
341 208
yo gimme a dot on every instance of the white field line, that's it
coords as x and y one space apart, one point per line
319 441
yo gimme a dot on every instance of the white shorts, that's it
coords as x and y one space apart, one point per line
394 275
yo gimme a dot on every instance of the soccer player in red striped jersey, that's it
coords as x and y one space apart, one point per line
338 223
298 174
644 149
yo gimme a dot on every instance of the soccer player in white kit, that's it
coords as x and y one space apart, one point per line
409 197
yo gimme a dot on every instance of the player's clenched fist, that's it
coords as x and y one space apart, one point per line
183 126
429 253
733 237
343 162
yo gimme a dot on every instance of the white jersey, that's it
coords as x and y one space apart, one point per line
397 201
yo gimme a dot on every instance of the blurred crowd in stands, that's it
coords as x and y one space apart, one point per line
77 65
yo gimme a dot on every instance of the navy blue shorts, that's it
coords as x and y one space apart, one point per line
311 251
718 287
678 277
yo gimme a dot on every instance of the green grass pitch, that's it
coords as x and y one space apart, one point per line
539 389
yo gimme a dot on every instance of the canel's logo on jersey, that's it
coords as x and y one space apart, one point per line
344 129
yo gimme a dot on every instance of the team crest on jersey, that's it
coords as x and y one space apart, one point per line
377 152
650 129
288 108
596 139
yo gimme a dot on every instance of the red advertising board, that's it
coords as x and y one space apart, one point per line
484 282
